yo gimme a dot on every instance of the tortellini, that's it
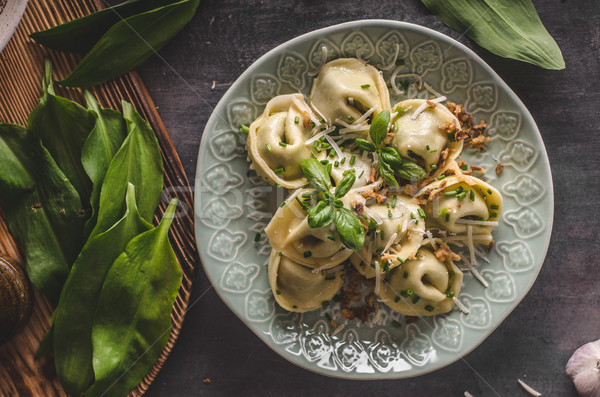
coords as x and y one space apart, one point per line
346 88
297 288
401 221
426 135
423 286
290 234
361 167
277 141
464 201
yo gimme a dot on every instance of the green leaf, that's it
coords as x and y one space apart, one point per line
387 174
316 173
132 322
345 184
138 162
391 156
379 127
320 215
63 126
74 314
99 149
350 229
130 42
411 171
510 29
365 145
43 210
80 35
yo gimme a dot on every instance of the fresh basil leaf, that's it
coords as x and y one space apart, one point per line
391 156
42 208
345 185
350 229
379 127
132 321
320 215
510 29
387 174
63 126
316 173
80 35
338 203
99 149
74 315
365 145
139 162
130 42
411 171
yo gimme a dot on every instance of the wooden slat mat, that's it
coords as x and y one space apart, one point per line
21 68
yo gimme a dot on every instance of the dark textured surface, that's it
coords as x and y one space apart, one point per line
560 313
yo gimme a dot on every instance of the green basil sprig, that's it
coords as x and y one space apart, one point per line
130 42
390 162
510 29
330 208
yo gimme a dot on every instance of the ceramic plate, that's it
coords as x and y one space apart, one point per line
233 205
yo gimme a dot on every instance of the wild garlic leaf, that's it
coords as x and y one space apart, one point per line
321 215
43 209
510 29
316 174
350 229
63 126
132 322
74 315
379 127
139 162
130 42
99 149
80 35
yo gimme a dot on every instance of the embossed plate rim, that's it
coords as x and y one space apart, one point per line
221 109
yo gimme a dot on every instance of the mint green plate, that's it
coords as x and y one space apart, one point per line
233 205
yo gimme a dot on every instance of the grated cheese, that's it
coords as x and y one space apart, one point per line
335 147
363 118
529 389
323 60
303 107
376 218
377 277
460 305
474 271
481 254
467 394
425 106
471 245
319 135
450 239
353 126
389 243
478 223
373 186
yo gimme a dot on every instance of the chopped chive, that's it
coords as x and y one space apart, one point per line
268 147
461 195
459 189
389 213
399 227
489 191
382 235
325 145
279 171
412 215
396 324
361 174
450 193
313 155
372 225
295 306
343 161
278 292
324 162
421 213
447 217
433 151
317 147
312 123
307 254
350 118
429 308
399 110
306 195
244 128
405 275
281 254
433 167
427 147
365 86
443 212
325 303
394 201
282 204
299 202
352 159
257 237
282 144
373 265
330 277
331 237
397 299
441 177
297 120
416 298
278 185
322 121
336 163
329 168
400 260
464 167
494 207
409 292
472 195
493 214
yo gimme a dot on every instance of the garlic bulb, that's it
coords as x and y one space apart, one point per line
584 369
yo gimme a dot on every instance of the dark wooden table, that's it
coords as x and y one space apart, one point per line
562 310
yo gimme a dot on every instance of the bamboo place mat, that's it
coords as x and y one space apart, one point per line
21 69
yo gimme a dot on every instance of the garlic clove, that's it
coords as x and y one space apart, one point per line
584 369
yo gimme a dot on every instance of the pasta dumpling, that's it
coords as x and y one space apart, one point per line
462 201
277 141
423 134
362 170
296 288
423 286
290 233
397 237
346 88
